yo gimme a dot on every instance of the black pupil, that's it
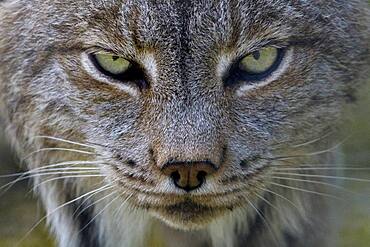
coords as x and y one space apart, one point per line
256 55
115 58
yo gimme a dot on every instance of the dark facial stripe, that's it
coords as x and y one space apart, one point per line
184 52
258 226
88 229
290 239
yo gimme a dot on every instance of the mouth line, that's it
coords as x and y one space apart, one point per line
181 204
188 209
185 205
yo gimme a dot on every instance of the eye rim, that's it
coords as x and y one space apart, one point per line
134 74
236 76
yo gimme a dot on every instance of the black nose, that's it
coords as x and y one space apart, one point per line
189 175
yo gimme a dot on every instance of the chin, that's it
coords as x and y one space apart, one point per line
187 215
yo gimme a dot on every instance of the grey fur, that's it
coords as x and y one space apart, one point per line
186 113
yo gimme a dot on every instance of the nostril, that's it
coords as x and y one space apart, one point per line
131 163
201 176
175 176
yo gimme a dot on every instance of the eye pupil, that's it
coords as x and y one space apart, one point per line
256 55
115 58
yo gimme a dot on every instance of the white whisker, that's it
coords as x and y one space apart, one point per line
26 175
304 190
87 198
100 212
9 185
284 198
313 168
58 149
66 141
266 201
69 169
96 202
290 157
312 141
323 176
51 166
313 182
65 177
122 204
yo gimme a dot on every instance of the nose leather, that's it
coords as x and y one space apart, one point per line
189 175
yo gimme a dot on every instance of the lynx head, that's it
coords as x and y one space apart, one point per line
187 103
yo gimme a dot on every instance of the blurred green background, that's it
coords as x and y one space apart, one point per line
356 228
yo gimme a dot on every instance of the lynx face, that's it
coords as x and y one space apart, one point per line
189 105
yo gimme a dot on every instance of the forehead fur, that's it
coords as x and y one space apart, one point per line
145 23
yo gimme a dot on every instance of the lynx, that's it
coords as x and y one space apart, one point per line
181 122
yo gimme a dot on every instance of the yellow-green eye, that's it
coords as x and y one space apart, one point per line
260 61
112 64
116 69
